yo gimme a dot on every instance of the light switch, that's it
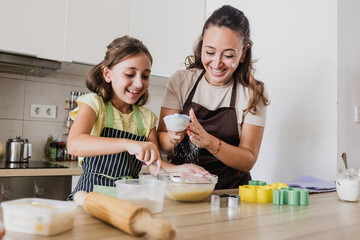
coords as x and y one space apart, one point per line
357 114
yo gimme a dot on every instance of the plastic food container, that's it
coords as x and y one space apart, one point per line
176 122
148 193
348 184
38 216
186 187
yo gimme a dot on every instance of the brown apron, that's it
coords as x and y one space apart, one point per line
221 123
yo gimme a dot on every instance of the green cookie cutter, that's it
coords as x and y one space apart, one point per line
291 196
257 183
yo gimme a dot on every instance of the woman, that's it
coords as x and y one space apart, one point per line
226 104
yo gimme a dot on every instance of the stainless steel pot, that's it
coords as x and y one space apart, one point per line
18 150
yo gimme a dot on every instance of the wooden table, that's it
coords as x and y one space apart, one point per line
325 218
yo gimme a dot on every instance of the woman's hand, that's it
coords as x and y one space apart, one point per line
176 137
144 151
196 132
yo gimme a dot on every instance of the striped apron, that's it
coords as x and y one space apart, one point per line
101 172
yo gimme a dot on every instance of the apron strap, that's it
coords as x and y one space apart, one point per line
110 115
233 94
139 121
191 95
110 118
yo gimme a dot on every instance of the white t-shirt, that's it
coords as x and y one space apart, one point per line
211 97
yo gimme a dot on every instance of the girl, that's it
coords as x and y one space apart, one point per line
112 129
228 114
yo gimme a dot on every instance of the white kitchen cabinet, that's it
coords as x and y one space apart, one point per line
91 25
169 29
33 27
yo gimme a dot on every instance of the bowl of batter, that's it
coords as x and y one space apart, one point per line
187 187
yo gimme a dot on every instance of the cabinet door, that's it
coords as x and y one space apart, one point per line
169 29
33 27
91 25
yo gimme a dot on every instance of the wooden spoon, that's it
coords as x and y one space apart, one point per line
345 160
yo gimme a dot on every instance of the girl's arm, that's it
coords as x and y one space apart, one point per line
168 139
242 157
81 143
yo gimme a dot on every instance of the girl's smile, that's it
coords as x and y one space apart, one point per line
129 80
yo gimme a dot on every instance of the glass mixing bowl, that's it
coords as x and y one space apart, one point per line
187 187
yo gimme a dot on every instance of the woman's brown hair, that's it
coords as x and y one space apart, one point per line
118 50
234 19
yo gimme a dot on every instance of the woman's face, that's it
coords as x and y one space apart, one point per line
129 79
220 54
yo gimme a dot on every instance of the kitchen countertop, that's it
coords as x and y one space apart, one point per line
73 169
325 218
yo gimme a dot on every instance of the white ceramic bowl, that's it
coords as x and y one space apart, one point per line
186 187
148 193
177 122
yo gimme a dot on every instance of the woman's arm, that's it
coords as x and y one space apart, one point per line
242 157
81 143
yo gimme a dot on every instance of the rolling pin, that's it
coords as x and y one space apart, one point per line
124 215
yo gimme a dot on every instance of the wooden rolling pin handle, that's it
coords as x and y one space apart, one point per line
157 228
124 215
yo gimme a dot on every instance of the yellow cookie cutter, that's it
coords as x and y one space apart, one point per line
259 194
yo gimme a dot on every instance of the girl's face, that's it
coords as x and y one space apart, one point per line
129 79
220 54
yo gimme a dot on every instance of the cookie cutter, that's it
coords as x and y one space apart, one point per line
259 194
225 200
257 182
291 196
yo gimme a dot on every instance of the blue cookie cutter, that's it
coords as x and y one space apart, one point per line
291 196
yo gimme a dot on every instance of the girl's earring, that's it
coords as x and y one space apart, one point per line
233 65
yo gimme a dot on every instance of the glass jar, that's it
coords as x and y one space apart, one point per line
348 184
60 151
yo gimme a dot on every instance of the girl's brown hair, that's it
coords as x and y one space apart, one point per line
118 50
234 19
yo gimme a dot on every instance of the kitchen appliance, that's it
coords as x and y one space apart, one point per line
27 65
29 164
18 150
50 187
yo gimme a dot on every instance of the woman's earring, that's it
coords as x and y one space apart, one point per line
233 65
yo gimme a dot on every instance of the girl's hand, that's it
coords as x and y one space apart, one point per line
189 168
196 132
144 151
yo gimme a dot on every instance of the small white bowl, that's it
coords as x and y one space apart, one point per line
177 122
148 193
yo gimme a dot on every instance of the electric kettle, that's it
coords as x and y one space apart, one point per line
18 150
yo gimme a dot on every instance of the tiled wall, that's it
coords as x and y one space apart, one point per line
18 92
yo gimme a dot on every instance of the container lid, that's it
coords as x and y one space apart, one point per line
16 139
60 144
40 205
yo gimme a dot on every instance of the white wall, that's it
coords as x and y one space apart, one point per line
348 81
295 43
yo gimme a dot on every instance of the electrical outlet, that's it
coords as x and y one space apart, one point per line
42 111
357 114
